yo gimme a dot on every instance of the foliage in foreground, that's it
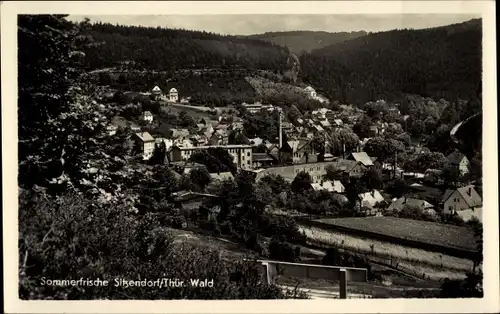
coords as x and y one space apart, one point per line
72 237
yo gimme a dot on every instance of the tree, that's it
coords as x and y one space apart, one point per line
332 173
283 251
398 188
294 113
422 162
237 138
70 236
45 116
276 182
159 154
451 175
301 183
383 149
373 179
362 127
200 178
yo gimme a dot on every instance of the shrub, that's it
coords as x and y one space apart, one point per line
283 251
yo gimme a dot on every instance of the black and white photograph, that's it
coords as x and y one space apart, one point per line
252 156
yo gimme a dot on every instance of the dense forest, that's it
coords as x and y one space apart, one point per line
160 48
306 41
443 62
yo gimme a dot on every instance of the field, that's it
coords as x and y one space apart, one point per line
435 265
422 231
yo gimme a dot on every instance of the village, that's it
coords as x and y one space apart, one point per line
297 154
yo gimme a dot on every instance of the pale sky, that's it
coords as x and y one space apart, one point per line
256 24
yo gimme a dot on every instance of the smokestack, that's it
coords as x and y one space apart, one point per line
395 162
280 129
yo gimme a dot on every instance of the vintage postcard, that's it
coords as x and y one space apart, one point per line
250 157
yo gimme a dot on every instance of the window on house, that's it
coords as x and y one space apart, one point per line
248 154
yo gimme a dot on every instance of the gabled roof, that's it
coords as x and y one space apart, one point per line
222 176
256 141
370 199
180 132
473 199
455 158
333 186
156 89
363 158
145 137
402 201
173 90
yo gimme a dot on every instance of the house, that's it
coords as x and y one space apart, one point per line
173 95
301 151
463 198
219 137
333 186
222 176
156 93
263 160
310 92
377 163
179 133
316 170
370 199
361 157
147 116
134 127
111 129
191 201
242 154
146 144
401 202
253 108
168 143
256 141
460 161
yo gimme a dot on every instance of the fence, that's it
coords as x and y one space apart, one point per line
273 269
373 257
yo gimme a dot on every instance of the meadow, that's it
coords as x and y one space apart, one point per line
416 230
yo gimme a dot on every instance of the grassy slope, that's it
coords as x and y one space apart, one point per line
417 260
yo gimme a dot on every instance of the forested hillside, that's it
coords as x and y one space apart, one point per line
306 41
159 48
442 62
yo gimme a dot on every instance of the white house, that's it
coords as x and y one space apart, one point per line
463 198
458 160
334 186
148 116
146 144
111 129
173 95
370 199
310 91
